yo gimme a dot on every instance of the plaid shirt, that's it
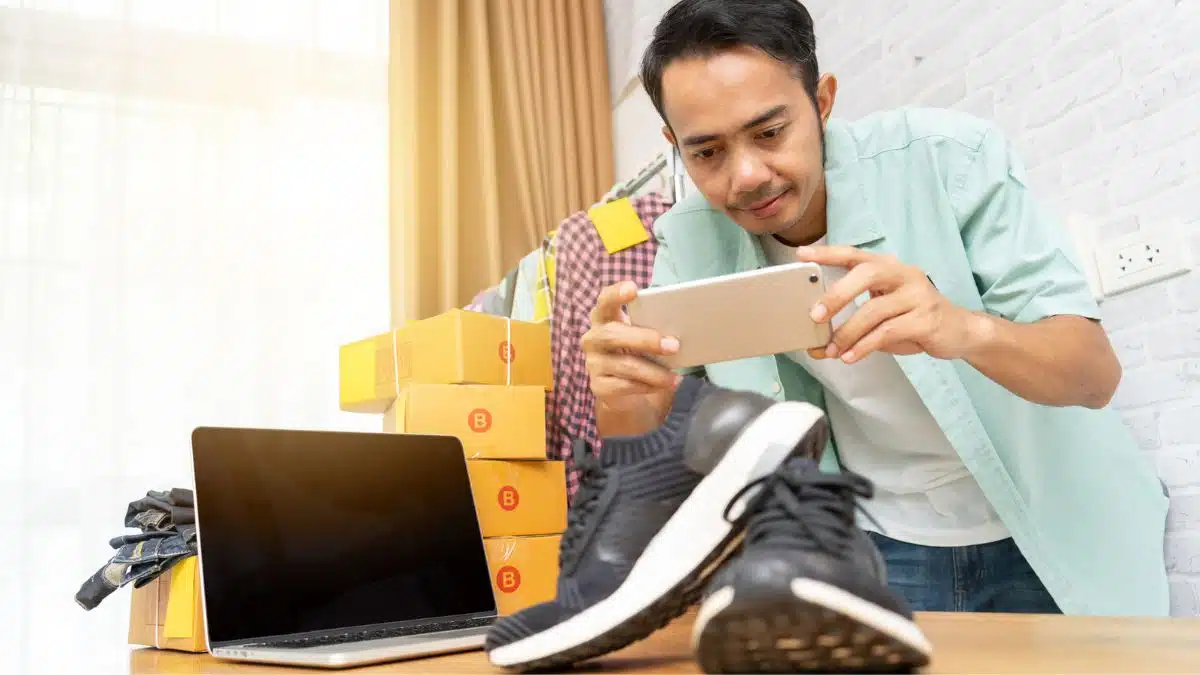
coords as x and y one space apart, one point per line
583 268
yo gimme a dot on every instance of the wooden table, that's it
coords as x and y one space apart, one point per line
963 643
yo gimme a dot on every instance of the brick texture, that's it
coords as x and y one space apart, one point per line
1101 99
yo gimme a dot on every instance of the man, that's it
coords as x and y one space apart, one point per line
968 373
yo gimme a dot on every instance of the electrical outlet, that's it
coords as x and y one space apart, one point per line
1141 258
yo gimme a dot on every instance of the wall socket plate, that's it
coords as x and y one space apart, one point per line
1141 258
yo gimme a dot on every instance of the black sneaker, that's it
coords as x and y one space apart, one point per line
646 529
808 592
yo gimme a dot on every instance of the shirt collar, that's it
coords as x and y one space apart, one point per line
850 215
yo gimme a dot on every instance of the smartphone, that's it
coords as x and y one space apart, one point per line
736 316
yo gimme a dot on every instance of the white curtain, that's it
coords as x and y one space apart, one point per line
193 216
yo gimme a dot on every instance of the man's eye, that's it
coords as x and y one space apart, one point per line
706 153
770 133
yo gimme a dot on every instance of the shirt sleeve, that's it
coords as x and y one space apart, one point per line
1021 257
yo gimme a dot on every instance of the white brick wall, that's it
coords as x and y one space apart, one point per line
1102 97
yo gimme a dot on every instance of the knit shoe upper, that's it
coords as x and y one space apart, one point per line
626 495
650 526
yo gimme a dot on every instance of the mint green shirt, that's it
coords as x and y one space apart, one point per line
947 193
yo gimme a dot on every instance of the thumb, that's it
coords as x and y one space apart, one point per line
610 305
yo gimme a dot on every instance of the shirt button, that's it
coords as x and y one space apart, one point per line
776 387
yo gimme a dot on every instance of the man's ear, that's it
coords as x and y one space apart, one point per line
826 93
666 131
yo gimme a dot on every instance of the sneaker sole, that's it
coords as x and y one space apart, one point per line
821 629
671 573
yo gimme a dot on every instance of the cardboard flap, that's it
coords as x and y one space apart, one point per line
181 600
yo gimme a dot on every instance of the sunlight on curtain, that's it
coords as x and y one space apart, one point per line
193 216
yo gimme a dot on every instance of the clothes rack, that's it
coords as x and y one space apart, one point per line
648 171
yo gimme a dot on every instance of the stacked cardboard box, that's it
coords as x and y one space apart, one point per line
168 612
482 379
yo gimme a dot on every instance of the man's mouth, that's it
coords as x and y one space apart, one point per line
766 207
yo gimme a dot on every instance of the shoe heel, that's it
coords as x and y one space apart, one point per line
791 635
720 419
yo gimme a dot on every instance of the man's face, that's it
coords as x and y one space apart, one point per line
749 134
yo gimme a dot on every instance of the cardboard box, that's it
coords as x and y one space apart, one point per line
168 612
519 498
455 347
361 385
524 570
492 421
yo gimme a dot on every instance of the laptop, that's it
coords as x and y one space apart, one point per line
337 549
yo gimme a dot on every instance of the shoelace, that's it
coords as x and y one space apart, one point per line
592 478
805 507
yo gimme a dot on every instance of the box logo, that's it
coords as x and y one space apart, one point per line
508 353
479 420
508 498
404 361
508 579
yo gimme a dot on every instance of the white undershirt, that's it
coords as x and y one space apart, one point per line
923 492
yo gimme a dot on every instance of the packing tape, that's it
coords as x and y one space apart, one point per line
508 351
396 361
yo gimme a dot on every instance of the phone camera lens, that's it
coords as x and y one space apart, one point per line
814 278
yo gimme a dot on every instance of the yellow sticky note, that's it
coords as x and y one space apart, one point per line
181 600
618 225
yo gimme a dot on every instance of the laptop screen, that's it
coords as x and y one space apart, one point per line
309 531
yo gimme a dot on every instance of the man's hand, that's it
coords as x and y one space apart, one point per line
1060 360
632 392
904 315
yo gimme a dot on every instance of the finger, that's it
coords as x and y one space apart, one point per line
609 389
835 256
894 331
818 352
866 318
610 302
617 337
872 276
633 368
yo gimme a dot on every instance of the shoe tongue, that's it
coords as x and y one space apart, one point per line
801 467
626 450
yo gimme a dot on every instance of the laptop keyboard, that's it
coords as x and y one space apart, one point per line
376 634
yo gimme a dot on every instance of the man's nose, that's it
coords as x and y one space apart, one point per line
749 173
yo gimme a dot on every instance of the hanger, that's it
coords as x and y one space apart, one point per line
677 175
648 171
643 176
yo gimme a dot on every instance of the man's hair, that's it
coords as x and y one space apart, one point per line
781 28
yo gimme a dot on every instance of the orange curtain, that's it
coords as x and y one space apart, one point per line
501 126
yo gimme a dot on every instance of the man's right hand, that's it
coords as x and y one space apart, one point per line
626 384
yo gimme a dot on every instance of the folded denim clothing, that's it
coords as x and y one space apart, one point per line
168 535
177 505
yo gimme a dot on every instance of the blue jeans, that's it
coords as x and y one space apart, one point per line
167 521
991 577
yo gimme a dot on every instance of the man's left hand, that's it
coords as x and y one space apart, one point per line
904 315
